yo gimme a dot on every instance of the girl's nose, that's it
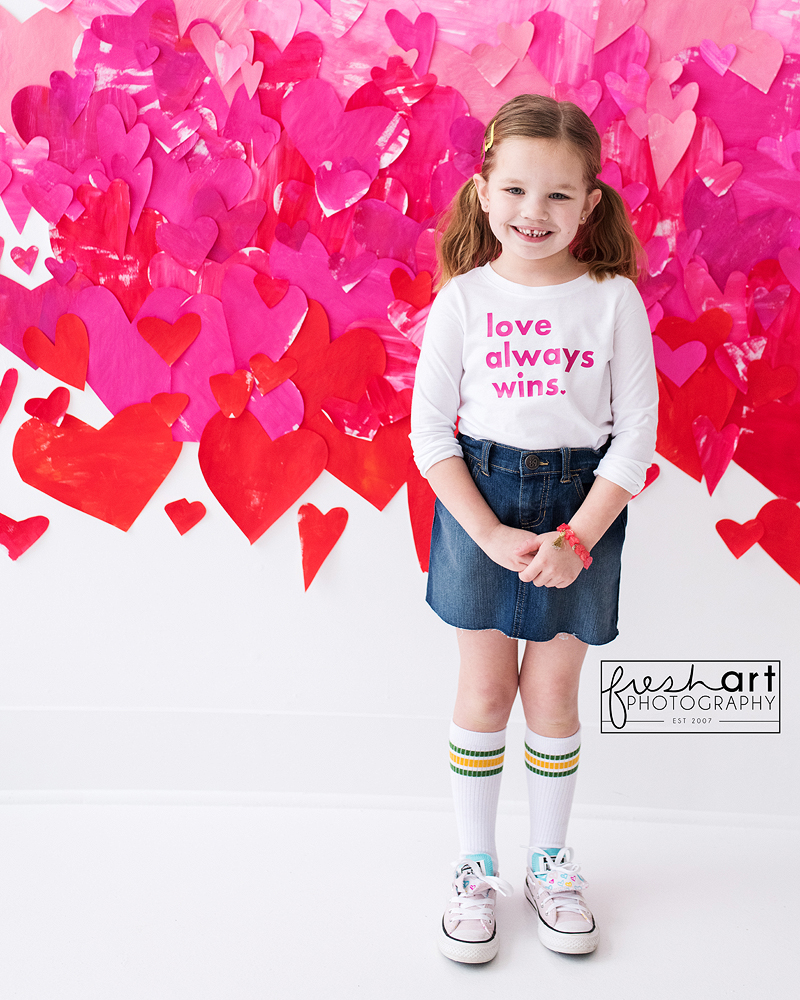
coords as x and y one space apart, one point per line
535 207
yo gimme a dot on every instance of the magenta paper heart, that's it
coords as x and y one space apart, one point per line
236 228
630 92
781 150
61 271
686 244
494 63
718 59
733 359
518 39
658 252
5 175
23 162
349 272
171 131
614 18
68 95
718 177
634 194
337 190
112 137
25 259
420 36
188 246
145 56
769 304
679 365
789 259
292 237
52 204
254 328
715 448
669 141
661 99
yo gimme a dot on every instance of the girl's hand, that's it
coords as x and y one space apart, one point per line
510 547
550 566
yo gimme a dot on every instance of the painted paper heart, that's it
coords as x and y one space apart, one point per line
269 374
185 515
232 392
189 246
51 409
110 473
740 537
718 59
718 177
614 18
494 63
416 291
420 36
715 448
68 358
337 190
170 340
766 384
781 538
669 141
318 534
170 405
7 387
421 502
769 304
61 271
18 536
25 259
255 479
678 365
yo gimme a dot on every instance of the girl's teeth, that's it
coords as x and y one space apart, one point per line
534 232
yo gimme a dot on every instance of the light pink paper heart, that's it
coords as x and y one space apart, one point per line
661 99
718 59
614 18
251 75
769 304
631 91
733 359
789 259
586 97
758 57
669 71
494 63
279 21
204 38
678 365
228 59
337 190
409 56
718 177
639 122
518 39
715 448
634 194
669 141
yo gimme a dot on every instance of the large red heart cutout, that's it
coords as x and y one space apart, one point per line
421 501
318 534
170 340
340 368
255 479
18 536
7 387
110 472
67 359
765 383
706 392
769 435
781 538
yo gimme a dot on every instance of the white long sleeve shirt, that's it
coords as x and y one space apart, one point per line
560 366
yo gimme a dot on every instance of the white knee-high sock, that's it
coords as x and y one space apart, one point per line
552 769
476 765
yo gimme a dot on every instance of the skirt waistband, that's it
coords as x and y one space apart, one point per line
490 455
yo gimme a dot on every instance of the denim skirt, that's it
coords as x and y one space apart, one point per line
537 491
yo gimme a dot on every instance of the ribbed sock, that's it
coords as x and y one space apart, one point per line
552 769
476 766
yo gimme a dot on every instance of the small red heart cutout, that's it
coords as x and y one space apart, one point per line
653 472
170 340
232 391
318 534
52 409
269 374
740 537
67 359
764 383
271 290
185 515
416 291
18 536
170 405
7 387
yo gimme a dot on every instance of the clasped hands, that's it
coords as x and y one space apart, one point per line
532 556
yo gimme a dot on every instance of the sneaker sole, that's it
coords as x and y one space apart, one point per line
563 941
468 952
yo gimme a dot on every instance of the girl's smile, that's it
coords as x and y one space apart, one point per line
536 199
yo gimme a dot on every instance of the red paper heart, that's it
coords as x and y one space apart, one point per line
255 479
52 409
170 405
318 534
269 374
271 290
781 538
24 259
7 387
374 469
340 368
653 472
188 246
232 391
18 536
185 515
67 359
768 436
707 392
739 537
765 384
110 472
714 448
421 501
170 340
416 291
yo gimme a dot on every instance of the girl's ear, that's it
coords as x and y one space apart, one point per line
481 185
593 200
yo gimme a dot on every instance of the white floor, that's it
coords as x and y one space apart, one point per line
238 902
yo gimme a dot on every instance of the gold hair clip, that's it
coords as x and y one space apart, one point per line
490 141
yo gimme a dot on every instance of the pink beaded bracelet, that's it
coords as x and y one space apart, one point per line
564 531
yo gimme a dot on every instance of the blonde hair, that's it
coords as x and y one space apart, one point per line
606 242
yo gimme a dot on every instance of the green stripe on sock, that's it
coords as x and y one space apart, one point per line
551 774
550 756
475 774
476 753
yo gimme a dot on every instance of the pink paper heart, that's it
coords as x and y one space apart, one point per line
586 97
759 56
679 365
718 59
769 304
733 359
634 194
349 272
228 59
789 259
669 141
614 18
188 246
5 175
669 71
61 271
494 63
25 259
204 38
145 56
657 250
236 227
409 56
171 131
639 121
661 99
718 177
781 150
703 294
420 36
631 91
279 21
337 190
251 75
112 138
294 236
715 448
686 244
70 95
51 205
254 327
518 39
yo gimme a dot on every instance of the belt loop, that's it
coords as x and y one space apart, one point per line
486 448
565 473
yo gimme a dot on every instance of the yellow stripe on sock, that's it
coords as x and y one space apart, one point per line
474 763
552 765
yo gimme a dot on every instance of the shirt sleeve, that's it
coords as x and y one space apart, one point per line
634 397
437 385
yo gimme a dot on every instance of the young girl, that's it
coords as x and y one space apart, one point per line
538 349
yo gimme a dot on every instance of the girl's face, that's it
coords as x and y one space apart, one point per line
536 199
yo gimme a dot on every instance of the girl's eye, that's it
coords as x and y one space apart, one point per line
559 196
514 190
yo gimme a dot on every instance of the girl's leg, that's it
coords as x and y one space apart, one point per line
487 686
548 684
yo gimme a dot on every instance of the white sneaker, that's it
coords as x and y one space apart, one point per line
469 932
554 888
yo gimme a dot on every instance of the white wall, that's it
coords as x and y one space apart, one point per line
151 661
